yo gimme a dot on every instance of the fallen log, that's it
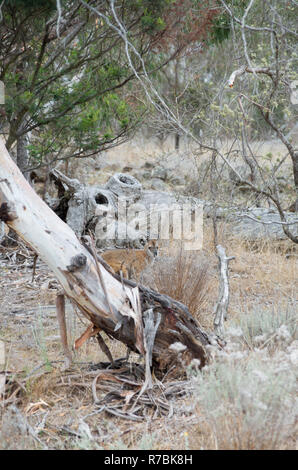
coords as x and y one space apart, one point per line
118 307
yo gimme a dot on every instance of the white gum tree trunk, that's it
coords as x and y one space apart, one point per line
72 264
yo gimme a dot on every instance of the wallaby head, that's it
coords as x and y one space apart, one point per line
151 248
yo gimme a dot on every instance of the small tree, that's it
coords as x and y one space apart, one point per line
246 97
64 71
266 37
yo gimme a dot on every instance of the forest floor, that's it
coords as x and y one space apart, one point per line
244 399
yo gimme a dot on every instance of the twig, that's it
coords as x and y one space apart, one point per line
149 332
120 414
25 426
60 310
295 222
243 33
246 26
220 310
58 3
104 348
34 266
1 14
244 69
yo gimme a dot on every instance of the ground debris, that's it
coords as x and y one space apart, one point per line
118 392
115 391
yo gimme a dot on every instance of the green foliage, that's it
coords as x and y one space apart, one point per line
153 12
71 94
151 23
221 25
221 29
29 5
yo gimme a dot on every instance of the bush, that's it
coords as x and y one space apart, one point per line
184 277
248 404
262 327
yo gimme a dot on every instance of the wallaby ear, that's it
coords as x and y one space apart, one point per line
143 242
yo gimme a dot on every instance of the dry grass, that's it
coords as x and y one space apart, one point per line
217 415
186 277
263 277
262 273
247 398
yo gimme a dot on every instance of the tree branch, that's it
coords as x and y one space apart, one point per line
221 308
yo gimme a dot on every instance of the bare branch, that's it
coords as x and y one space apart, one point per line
66 41
152 94
220 310
268 223
59 9
254 70
161 106
246 26
243 34
1 14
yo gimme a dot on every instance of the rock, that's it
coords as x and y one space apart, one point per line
294 357
177 180
158 184
255 223
95 208
125 186
146 175
87 204
160 172
259 223
102 210
137 174
148 165
127 169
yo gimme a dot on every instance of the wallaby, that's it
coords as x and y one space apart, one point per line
131 261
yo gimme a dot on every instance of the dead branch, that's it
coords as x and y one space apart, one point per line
221 308
244 69
60 309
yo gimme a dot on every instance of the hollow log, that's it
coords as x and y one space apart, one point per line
114 306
